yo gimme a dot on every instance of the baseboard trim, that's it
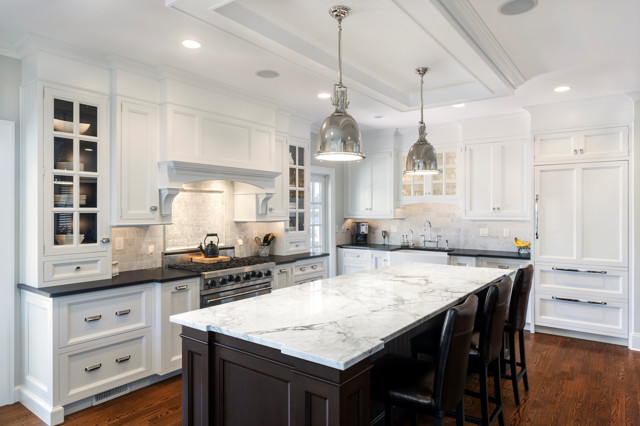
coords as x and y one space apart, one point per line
584 336
49 414
634 342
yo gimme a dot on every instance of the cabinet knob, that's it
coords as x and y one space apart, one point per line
78 268
105 240
575 151
153 208
581 151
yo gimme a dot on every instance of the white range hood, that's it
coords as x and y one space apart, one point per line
172 175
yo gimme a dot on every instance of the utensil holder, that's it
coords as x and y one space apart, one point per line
263 251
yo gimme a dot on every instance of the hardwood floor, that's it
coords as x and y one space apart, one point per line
572 382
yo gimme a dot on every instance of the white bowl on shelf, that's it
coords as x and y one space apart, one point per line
67 126
66 239
68 165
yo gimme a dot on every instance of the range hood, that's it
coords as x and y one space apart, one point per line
172 175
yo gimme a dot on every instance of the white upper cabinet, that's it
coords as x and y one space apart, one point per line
582 214
497 181
369 191
135 164
605 143
440 188
210 138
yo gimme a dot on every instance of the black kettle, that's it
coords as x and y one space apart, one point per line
210 250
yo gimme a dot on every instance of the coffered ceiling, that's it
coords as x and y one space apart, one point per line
492 62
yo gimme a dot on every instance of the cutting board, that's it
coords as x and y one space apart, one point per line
202 259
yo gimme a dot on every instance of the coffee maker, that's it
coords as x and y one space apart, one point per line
362 232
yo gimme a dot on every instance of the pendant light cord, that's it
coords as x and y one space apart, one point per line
421 100
340 49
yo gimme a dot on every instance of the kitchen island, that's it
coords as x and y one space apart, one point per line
302 355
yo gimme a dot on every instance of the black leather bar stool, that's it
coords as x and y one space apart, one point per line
434 388
486 347
515 324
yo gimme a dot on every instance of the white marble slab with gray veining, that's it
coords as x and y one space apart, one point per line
339 321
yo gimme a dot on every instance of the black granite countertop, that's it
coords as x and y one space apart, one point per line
451 252
279 260
126 278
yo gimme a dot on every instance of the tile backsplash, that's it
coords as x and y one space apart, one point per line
447 220
204 207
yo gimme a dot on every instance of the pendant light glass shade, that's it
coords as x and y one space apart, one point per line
339 137
421 159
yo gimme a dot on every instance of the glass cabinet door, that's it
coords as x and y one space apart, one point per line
74 141
297 180
419 188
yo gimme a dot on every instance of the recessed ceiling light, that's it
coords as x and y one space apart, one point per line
378 116
191 44
516 7
267 74
458 105
561 89
324 95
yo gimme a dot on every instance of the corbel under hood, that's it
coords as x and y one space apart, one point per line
172 175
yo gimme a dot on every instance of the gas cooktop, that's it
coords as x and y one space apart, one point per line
236 262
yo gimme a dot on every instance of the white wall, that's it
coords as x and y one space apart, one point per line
9 150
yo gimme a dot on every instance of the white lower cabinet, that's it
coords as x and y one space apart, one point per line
300 272
582 299
380 259
469 261
353 260
175 297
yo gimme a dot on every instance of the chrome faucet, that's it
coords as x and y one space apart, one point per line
411 243
425 229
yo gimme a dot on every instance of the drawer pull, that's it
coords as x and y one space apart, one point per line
93 318
314 266
124 312
282 271
566 299
503 266
182 287
303 268
78 268
92 367
587 271
123 359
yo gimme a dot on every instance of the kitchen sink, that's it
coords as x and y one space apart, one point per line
438 249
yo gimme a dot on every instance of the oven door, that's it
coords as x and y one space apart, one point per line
213 299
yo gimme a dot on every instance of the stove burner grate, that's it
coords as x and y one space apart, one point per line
237 262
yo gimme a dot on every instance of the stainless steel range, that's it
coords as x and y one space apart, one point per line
223 282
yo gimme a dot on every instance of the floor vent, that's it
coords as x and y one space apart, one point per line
110 394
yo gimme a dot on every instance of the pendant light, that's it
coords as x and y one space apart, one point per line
339 137
421 159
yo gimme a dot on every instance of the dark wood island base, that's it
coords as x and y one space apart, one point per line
229 381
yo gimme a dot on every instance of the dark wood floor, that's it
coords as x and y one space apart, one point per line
572 382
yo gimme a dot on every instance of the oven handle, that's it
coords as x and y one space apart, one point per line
208 301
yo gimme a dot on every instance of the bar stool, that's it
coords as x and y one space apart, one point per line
515 324
486 347
434 388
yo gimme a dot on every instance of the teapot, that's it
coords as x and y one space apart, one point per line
211 249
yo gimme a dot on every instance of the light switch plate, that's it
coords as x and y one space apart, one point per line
506 233
484 232
119 243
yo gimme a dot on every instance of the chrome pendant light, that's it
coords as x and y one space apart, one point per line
421 159
339 138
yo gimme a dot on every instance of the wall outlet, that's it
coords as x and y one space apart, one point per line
119 243
151 249
506 233
484 232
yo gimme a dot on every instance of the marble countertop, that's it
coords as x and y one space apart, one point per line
340 321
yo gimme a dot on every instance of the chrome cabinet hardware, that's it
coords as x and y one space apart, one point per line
566 299
314 266
581 151
303 268
503 266
575 152
123 312
105 240
282 271
585 271
93 318
153 208
535 215
123 359
92 367
182 287
78 268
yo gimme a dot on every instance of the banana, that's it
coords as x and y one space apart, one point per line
521 243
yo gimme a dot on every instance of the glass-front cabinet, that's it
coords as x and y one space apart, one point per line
441 187
297 225
76 195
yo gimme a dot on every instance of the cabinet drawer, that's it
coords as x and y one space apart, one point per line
500 263
604 317
309 278
298 245
86 372
355 257
100 314
585 282
468 261
81 269
309 268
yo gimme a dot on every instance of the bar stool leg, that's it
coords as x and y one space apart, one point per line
460 413
498 392
523 363
512 365
484 396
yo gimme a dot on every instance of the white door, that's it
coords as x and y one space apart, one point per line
583 213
